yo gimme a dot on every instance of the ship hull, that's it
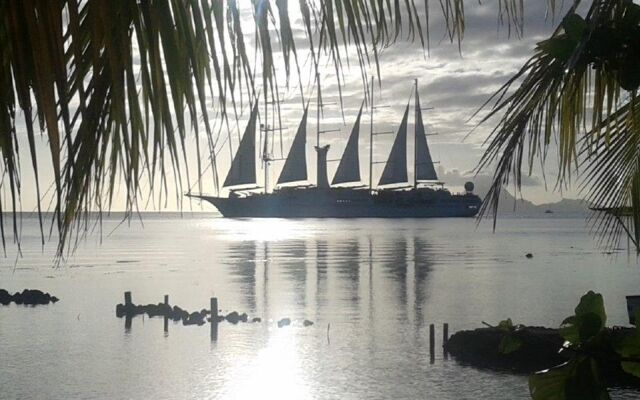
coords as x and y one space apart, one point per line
348 203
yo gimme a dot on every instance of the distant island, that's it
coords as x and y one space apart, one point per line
510 205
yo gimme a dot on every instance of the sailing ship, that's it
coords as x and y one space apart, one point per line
393 197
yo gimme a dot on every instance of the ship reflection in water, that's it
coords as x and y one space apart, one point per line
360 291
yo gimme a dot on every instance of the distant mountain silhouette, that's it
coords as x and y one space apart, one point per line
508 204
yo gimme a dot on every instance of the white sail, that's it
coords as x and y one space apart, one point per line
349 168
395 171
424 169
243 166
295 167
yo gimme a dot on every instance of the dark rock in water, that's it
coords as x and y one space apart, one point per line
234 317
120 311
17 298
30 297
5 297
529 255
179 314
195 318
256 319
35 297
155 310
284 322
307 322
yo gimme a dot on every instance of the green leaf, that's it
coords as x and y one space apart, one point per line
590 303
630 348
589 319
574 26
590 325
506 325
549 384
569 331
578 379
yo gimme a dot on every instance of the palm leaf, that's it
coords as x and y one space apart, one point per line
574 71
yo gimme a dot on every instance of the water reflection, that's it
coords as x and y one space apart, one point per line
322 263
347 269
422 267
380 275
292 256
395 268
243 264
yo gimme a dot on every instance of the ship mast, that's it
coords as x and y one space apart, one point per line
318 110
265 150
371 140
415 139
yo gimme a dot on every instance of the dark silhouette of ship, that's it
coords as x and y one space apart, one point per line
393 197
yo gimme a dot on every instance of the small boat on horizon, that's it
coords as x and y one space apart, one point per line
393 197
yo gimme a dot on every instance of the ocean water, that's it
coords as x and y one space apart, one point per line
371 287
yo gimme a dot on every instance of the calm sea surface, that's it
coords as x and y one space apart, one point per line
372 287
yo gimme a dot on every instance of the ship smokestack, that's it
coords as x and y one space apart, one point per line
322 181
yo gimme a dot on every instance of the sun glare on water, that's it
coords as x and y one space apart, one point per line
258 229
274 373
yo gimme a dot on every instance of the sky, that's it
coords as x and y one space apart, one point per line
453 83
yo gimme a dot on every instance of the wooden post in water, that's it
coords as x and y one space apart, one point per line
445 339
445 333
214 309
432 342
166 316
214 318
127 309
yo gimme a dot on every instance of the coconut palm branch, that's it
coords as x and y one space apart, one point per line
578 93
120 87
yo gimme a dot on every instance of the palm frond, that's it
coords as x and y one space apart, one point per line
569 93
612 175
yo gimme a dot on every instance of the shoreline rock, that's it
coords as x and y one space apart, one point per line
539 350
29 297
480 348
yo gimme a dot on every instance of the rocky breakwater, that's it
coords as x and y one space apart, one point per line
30 297
174 313
129 310
485 348
530 349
